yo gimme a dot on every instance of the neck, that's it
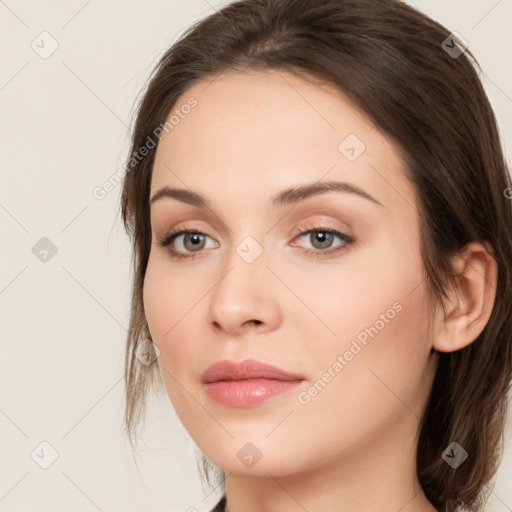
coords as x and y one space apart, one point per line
379 477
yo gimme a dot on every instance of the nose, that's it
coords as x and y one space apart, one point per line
245 298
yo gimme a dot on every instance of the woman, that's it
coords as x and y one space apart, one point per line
322 260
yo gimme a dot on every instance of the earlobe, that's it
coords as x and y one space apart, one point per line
471 299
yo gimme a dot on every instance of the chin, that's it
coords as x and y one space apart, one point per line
256 458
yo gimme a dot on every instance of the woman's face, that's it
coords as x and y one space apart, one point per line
343 312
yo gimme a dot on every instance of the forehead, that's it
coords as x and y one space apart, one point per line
271 130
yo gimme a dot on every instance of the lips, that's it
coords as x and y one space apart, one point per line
248 383
245 370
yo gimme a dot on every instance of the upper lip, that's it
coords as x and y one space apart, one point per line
247 369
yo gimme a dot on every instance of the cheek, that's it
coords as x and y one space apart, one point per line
156 300
375 318
383 329
165 308
377 381
169 302
365 288
167 297
172 305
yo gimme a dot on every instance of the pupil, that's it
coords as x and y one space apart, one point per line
195 239
323 238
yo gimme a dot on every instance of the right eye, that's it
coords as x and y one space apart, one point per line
190 240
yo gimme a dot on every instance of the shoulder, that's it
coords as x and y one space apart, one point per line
221 505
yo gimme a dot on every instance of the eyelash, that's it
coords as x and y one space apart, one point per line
169 238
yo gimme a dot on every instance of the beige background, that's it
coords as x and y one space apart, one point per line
63 131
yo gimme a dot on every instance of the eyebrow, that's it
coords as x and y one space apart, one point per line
286 197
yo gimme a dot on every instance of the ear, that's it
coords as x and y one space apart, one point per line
471 298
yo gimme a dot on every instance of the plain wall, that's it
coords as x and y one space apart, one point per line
64 131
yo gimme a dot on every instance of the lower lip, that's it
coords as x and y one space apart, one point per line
249 392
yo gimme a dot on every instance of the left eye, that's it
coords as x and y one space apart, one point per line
322 238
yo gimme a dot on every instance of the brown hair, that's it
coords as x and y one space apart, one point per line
389 60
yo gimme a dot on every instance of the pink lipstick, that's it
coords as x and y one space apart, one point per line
247 383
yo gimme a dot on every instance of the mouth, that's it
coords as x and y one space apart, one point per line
244 370
247 392
248 383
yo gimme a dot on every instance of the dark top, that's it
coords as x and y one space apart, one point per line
221 505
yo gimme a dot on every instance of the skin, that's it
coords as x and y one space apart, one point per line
352 446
